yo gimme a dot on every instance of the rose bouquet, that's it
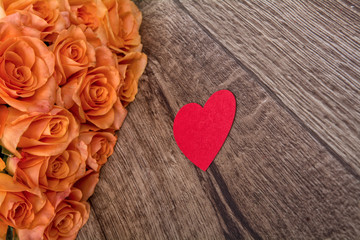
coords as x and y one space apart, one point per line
68 69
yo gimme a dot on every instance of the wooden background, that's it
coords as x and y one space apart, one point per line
289 168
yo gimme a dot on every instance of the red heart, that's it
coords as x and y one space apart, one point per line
201 132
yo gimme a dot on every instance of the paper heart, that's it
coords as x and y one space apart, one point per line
200 132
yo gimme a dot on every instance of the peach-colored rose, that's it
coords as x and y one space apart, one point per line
72 52
55 173
131 67
87 184
3 230
122 26
4 112
92 96
89 12
8 30
71 215
46 9
43 213
21 24
13 203
23 210
57 197
8 184
89 15
105 57
26 68
2 11
28 213
2 165
41 134
100 146
25 170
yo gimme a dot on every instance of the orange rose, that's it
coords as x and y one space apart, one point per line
3 116
72 52
57 197
17 202
26 68
89 12
2 165
122 25
71 215
92 96
100 146
9 30
131 67
55 173
105 57
41 134
2 11
43 213
89 15
23 210
87 184
46 9
3 230
25 24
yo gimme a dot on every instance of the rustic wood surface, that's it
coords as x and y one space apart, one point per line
289 168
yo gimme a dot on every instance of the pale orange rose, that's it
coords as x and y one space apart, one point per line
23 210
88 12
2 165
92 96
43 213
28 213
55 173
4 112
131 67
8 30
21 24
71 215
26 68
87 184
41 134
16 202
48 10
2 11
100 146
72 52
3 230
122 26
89 15
105 57
57 197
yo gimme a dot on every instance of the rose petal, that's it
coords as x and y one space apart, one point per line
3 116
87 184
7 184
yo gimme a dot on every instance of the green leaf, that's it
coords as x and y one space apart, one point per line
10 233
6 152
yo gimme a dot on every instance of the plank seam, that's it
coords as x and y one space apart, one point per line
231 202
230 231
273 95
223 187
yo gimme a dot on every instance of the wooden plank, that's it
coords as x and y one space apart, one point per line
93 230
271 179
305 53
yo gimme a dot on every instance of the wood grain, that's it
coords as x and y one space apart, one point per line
273 178
305 53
